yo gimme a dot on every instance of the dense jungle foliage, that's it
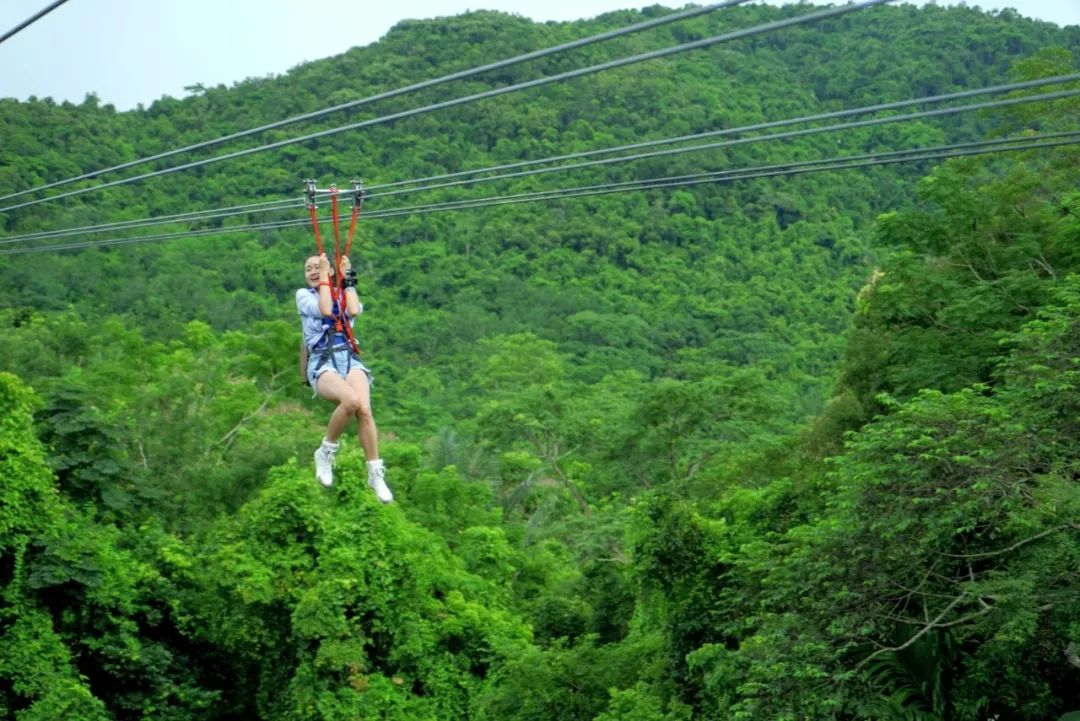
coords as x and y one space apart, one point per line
790 448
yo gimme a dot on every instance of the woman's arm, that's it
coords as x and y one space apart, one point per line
303 361
326 300
353 306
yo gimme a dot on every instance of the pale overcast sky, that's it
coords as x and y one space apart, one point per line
135 51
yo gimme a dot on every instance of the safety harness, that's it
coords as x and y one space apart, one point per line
338 325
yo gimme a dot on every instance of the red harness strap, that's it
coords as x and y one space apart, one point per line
337 291
358 201
315 224
337 233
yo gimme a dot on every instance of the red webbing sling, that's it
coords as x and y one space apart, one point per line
358 201
337 292
358 196
343 325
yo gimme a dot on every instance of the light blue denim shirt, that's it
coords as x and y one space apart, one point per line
311 320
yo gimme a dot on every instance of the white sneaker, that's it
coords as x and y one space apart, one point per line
324 465
377 480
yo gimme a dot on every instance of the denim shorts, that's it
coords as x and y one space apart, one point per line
340 360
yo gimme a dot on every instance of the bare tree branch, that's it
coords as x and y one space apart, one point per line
917 591
580 499
229 437
936 624
142 454
922 632
1018 544
1041 261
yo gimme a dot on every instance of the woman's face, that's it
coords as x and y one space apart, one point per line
311 271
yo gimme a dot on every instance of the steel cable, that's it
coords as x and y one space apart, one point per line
652 55
536 54
999 145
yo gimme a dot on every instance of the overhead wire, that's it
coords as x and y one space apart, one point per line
946 151
276 225
999 145
213 213
31 20
538 82
296 202
1043 97
423 85
896 105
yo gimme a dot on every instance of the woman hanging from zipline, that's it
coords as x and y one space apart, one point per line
330 359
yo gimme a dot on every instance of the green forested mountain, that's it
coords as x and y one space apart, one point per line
791 448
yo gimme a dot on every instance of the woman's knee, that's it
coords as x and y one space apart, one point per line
355 404
363 408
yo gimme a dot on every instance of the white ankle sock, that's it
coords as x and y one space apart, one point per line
372 465
330 445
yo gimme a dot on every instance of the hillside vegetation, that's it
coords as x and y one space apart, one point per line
801 447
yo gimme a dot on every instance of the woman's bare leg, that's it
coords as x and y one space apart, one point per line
333 388
359 382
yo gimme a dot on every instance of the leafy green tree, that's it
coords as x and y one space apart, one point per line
363 613
612 501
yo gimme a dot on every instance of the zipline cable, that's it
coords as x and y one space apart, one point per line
297 202
992 90
262 207
534 55
30 21
843 164
161 236
1000 145
1044 97
652 55
946 151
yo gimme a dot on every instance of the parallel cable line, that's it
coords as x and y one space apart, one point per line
992 90
845 164
882 158
295 202
1043 97
263 207
1000 145
31 20
641 57
423 85
161 236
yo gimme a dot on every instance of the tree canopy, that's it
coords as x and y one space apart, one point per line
786 448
